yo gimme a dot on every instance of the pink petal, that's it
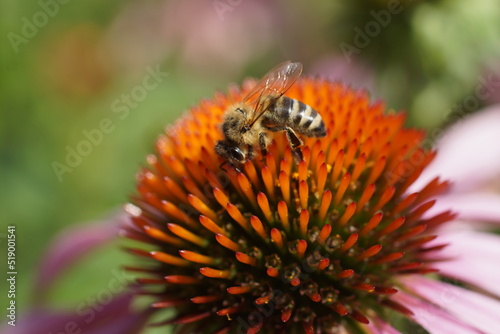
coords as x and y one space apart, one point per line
471 257
478 206
74 243
467 153
475 309
432 318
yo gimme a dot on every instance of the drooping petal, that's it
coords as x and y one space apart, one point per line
115 317
434 319
467 152
475 309
471 257
72 244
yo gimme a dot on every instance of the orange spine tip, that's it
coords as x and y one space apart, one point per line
332 152
295 281
264 206
372 223
212 179
210 225
193 188
186 235
235 213
351 240
411 232
323 263
315 297
376 170
320 160
321 179
306 154
267 177
316 148
201 207
365 197
302 171
364 286
304 221
277 238
389 258
238 290
303 194
176 166
286 314
220 197
394 225
345 273
349 212
174 189
418 212
351 151
205 299
359 167
337 167
285 186
283 214
386 196
373 250
324 233
246 187
215 273
181 279
169 259
326 200
344 183
228 243
405 203
339 308
301 248
286 165
258 227
367 147
229 310
271 163
197 258
160 235
243 258
251 172
172 210
273 272
263 300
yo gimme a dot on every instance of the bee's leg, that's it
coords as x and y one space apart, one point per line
263 143
250 153
295 142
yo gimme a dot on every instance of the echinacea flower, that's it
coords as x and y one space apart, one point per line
336 243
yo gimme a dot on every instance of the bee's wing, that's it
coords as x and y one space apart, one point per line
271 87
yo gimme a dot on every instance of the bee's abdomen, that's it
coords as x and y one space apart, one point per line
299 116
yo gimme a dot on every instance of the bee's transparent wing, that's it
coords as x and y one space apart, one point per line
271 87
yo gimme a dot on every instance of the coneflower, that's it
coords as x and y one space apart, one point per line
318 246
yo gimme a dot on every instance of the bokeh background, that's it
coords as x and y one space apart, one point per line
121 71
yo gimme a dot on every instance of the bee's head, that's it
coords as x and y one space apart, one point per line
231 152
235 123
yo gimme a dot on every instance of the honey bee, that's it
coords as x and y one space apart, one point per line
265 109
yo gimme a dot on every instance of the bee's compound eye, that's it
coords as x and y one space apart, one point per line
237 154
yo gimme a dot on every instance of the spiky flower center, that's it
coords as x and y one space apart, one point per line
285 247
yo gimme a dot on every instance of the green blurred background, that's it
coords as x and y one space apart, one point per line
69 65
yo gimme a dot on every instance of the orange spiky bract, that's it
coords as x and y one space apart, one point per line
281 247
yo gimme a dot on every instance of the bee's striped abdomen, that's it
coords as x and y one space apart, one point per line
299 116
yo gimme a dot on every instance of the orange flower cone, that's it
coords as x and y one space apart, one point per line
278 246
